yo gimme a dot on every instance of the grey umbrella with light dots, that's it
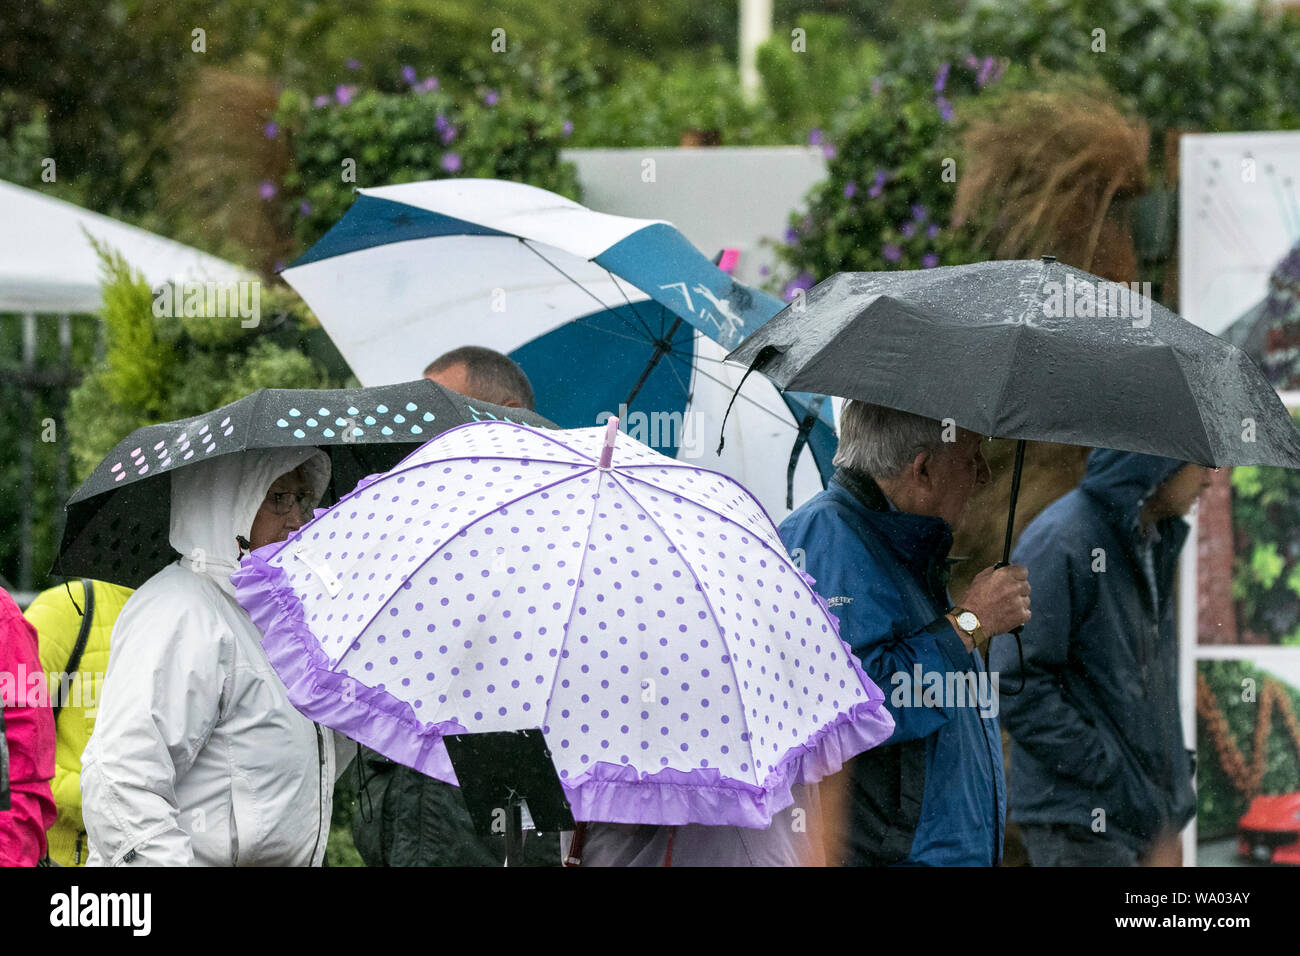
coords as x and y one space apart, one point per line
118 520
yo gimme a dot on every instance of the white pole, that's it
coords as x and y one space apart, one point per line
755 28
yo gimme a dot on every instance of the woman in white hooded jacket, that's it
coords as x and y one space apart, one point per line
197 757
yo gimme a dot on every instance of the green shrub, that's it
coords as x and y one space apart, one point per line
887 198
417 135
1266 562
1210 65
160 369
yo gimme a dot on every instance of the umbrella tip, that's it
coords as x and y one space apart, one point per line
607 453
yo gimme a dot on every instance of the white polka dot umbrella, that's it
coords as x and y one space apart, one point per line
642 612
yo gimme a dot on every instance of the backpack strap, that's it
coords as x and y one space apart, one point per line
83 635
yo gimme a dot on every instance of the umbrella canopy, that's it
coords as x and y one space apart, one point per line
607 315
118 520
1034 350
642 613
48 264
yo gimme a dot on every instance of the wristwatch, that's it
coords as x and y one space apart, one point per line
968 624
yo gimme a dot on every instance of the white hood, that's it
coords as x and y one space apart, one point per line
215 501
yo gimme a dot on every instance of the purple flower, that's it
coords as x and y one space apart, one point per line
986 72
828 151
945 108
972 60
352 64
448 134
567 128
430 84
270 130
891 252
440 123
941 78
802 281
878 186
908 229
791 235
929 260
849 189
451 162
344 93
266 189
409 75
490 98
933 230
304 208
322 100
814 137
876 84
920 213
764 270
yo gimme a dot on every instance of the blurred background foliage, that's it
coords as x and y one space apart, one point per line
155 123
1219 802
159 369
226 126
1266 568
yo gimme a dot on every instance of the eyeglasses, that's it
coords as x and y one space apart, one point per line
282 502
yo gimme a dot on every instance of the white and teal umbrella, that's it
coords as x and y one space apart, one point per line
608 316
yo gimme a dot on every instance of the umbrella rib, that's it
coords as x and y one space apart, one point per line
564 635
619 287
1199 416
715 361
640 340
434 553
686 390
398 470
743 398
677 494
1006 383
593 295
704 595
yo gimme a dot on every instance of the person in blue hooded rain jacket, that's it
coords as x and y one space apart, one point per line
1098 769
876 541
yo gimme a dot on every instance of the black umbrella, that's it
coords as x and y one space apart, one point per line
1033 350
118 521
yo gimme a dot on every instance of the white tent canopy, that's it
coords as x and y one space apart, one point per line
48 265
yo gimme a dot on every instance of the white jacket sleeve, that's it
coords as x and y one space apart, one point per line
169 666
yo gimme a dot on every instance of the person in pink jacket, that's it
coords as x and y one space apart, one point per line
29 738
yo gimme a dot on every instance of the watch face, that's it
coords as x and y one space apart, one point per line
967 621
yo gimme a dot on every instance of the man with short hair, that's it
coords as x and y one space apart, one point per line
876 541
1100 775
484 374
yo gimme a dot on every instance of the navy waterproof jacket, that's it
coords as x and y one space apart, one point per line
934 792
1096 734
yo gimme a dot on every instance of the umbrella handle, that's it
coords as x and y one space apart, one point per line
607 453
1006 560
1011 511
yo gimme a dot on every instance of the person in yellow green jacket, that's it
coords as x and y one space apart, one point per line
57 615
